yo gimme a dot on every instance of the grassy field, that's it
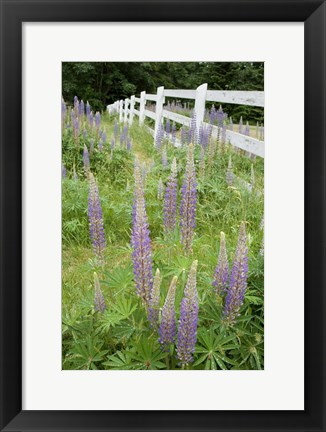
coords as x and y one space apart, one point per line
121 338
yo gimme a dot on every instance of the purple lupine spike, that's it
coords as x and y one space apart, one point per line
76 128
212 115
91 146
247 129
75 100
159 136
91 120
160 188
174 133
164 158
167 330
140 241
95 217
100 145
86 159
121 137
99 301
220 116
187 332
81 108
240 125
170 200
238 279
116 129
129 144
231 124
221 274
63 113
112 144
229 173
223 135
154 305
104 137
193 138
97 120
88 109
168 127
188 202
63 171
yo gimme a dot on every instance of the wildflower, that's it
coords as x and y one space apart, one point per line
229 173
188 202
168 127
129 144
100 145
86 159
159 136
112 144
212 115
220 116
63 171
221 274
97 120
141 243
154 304
81 108
99 302
160 188
187 332
164 158
95 217
238 279
193 138
91 120
170 199
174 133
167 330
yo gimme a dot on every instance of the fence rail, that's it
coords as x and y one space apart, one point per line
126 110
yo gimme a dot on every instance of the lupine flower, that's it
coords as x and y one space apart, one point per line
128 143
247 129
104 137
193 129
174 133
86 159
154 304
170 199
100 145
212 115
159 136
63 113
164 158
96 226
91 119
229 173
97 120
240 125
88 110
188 202
140 242
167 330
220 116
168 127
160 188
231 124
81 108
63 171
116 129
99 302
91 146
187 332
223 136
238 279
221 274
76 128
112 144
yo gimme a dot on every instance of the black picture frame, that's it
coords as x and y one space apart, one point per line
13 14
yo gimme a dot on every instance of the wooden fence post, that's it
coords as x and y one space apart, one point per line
126 110
132 106
121 111
159 110
142 107
200 104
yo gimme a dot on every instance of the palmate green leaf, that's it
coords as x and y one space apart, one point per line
119 361
86 353
119 280
125 306
109 319
148 355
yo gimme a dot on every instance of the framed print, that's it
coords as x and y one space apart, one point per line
162 218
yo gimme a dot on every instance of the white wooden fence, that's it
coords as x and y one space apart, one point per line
126 110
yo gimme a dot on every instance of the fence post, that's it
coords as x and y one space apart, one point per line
200 104
159 110
126 110
121 111
132 106
142 107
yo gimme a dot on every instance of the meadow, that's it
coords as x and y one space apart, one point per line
162 246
